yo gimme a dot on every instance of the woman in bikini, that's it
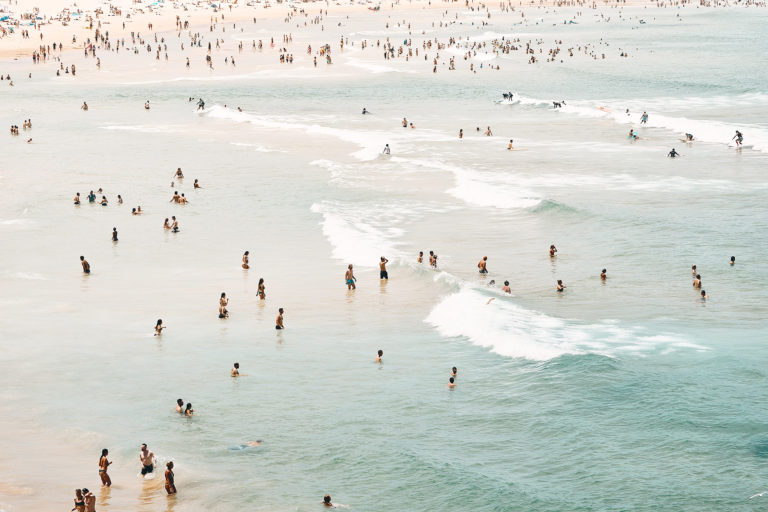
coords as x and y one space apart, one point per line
103 465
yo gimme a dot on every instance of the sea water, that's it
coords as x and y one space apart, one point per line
628 394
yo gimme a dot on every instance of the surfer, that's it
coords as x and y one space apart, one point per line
644 118
739 138
697 281
673 154
688 137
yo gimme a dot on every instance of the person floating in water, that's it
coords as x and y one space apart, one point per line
673 154
733 260
739 138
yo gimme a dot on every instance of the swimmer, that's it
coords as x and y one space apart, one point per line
488 132
454 372
552 251
179 174
481 265
739 138
167 223
176 197
86 265
223 301
693 270
383 268
85 106
146 105
405 123
183 199
174 224
697 281
510 146
506 288
245 260
147 459
451 383
603 275
119 199
262 294
704 295
733 260
673 154
197 185
327 501
79 502
180 406
159 327
114 234
378 356
461 133
170 486
103 465
420 259
386 150
365 111
189 411
279 320
560 285
349 277
235 372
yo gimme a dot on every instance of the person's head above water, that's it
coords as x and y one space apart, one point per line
327 499
237 365
381 352
180 402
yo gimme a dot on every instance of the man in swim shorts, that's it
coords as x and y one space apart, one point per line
482 265
383 268
279 320
147 459
86 265
349 276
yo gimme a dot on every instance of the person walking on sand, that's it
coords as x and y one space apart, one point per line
170 485
350 278
103 465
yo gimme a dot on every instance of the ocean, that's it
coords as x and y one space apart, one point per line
625 394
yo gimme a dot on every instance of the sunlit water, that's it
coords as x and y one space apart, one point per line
629 394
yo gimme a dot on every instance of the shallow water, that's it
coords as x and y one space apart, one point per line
630 394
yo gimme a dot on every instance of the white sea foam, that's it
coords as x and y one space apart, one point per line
257 147
512 331
142 128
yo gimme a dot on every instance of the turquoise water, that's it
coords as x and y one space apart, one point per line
625 395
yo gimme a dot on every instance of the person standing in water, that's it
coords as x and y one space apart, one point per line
697 281
159 327
103 465
603 275
245 260
90 500
481 265
673 154
378 356
77 199
350 278
147 459
86 265
560 285
386 150
279 320
383 268
733 260
235 372
739 138
170 485
327 501
114 234
644 118
552 251
180 406
506 288
420 259
262 294
223 301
